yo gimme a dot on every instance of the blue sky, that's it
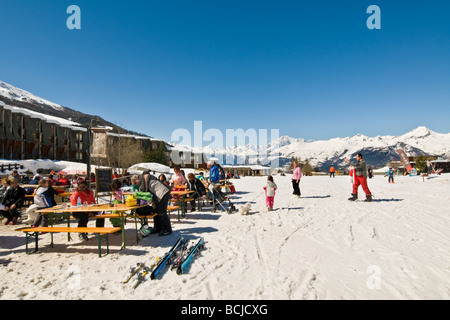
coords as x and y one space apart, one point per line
311 69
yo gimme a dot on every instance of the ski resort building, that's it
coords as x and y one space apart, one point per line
186 158
26 134
247 170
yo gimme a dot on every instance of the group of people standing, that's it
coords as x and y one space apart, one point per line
359 174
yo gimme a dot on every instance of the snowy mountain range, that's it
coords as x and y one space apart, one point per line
377 151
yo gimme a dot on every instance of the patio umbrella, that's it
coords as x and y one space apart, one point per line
72 172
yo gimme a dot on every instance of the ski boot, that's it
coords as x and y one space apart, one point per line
354 197
368 198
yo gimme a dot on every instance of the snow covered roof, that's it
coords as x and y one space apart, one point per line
251 167
145 166
47 118
132 136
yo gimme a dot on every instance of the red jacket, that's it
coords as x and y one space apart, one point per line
84 196
62 182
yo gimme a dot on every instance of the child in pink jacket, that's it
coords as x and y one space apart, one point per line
270 192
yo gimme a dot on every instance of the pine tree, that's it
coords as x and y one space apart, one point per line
157 155
307 168
421 163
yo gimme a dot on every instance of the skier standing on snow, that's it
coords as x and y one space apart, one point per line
370 172
390 174
360 178
332 171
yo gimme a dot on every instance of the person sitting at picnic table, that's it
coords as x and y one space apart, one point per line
36 179
201 176
6 185
12 201
62 180
87 197
44 197
178 178
163 179
198 187
134 184
15 175
116 197
76 179
116 175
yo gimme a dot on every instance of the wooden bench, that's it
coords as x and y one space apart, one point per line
181 200
169 209
183 206
172 209
99 232
102 216
144 219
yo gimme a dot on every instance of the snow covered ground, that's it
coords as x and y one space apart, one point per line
318 247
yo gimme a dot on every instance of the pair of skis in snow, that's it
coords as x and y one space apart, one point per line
184 258
179 256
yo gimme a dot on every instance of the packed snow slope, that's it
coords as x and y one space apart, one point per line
320 246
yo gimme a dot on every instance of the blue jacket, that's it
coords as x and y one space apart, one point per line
214 175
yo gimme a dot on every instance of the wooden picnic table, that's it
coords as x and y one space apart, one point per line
35 186
181 199
181 192
120 208
62 195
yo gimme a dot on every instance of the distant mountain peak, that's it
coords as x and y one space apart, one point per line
419 132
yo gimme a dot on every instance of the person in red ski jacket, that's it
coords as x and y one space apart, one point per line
360 178
62 181
87 197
